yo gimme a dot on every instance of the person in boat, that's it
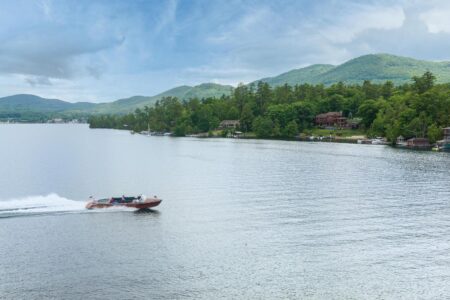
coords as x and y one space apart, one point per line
91 198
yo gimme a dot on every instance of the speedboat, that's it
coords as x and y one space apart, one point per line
139 202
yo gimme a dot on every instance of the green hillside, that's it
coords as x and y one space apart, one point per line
297 76
184 92
382 67
207 90
31 103
374 67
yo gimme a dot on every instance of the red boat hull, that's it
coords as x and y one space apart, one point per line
147 203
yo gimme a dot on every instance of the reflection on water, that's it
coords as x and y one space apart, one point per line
240 218
147 211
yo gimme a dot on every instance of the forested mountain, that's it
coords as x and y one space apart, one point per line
31 103
24 102
376 68
205 90
298 76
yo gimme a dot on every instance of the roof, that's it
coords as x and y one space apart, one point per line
229 122
330 114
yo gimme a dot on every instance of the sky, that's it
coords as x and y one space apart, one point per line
100 51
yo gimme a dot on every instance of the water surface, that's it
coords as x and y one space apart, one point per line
247 219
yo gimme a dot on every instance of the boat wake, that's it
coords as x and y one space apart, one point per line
38 205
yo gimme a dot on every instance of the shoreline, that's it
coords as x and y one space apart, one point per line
356 141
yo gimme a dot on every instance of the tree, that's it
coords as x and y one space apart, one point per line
180 130
291 129
419 125
368 112
378 126
387 89
434 133
246 118
276 131
370 90
393 131
241 96
232 114
424 83
283 94
262 127
262 97
417 109
304 114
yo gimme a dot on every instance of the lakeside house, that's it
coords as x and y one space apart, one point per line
229 124
331 119
418 143
444 144
447 134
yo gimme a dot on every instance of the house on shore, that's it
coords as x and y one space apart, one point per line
332 119
447 134
445 143
418 143
229 124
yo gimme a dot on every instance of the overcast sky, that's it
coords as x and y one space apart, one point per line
105 50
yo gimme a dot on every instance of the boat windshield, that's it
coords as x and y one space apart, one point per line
102 200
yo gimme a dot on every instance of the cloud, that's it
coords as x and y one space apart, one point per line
46 6
270 39
38 80
99 49
345 27
167 17
50 51
437 20
413 39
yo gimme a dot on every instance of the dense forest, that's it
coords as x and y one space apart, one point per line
418 109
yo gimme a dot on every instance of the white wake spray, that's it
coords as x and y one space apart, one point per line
51 203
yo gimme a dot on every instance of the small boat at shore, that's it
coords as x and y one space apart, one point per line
139 202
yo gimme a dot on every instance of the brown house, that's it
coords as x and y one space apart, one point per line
331 119
447 133
418 143
229 124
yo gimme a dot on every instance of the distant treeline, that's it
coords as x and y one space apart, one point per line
418 109
40 117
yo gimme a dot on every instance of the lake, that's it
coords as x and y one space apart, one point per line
240 219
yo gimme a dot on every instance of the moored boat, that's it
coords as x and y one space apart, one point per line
139 202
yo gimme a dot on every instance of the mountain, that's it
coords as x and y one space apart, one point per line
298 76
35 104
207 90
183 92
377 68
25 102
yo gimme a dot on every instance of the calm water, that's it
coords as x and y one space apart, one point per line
240 219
